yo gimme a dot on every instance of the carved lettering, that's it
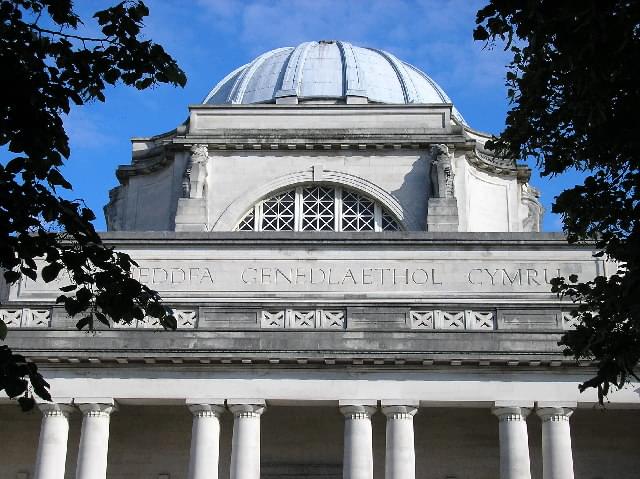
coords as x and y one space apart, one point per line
348 276
178 275
517 277
418 274
284 275
160 275
532 274
249 275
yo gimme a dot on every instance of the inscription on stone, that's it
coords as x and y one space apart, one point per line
239 276
335 276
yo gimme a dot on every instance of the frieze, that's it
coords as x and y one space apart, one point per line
26 317
435 319
303 319
372 277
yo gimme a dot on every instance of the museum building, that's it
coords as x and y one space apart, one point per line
362 292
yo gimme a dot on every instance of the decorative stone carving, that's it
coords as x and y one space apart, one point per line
447 320
452 320
195 173
529 199
477 320
441 174
11 317
272 319
26 318
421 319
332 319
186 319
303 319
485 161
36 318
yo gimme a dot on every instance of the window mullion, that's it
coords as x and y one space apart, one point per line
257 216
377 217
338 210
297 210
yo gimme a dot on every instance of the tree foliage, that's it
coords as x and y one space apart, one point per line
574 87
48 66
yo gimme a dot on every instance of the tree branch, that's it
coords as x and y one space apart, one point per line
35 27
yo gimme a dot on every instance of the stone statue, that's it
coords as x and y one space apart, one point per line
441 172
531 202
195 174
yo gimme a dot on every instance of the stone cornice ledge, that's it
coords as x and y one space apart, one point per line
403 238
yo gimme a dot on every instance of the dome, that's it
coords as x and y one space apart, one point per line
328 70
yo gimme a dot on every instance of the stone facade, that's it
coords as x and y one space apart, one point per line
362 292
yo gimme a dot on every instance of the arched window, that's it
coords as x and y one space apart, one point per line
318 208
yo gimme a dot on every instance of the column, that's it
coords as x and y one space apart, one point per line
400 455
205 439
52 447
557 459
245 444
358 448
94 439
514 442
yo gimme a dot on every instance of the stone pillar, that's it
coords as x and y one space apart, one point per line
205 440
245 445
400 456
514 442
52 447
557 459
94 439
358 448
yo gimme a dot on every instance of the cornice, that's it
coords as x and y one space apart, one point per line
401 239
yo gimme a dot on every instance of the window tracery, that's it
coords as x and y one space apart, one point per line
318 208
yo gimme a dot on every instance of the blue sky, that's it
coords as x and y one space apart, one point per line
209 38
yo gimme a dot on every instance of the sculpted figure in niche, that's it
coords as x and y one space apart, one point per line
195 174
441 172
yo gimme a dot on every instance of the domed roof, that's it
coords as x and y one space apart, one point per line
328 70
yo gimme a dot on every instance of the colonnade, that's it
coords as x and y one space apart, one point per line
245 454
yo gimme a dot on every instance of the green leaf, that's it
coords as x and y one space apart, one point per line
29 273
85 321
55 178
11 276
51 271
3 330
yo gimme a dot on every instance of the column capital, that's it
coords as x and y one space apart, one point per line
206 409
50 409
556 413
246 409
97 409
357 411
399 412
511 413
